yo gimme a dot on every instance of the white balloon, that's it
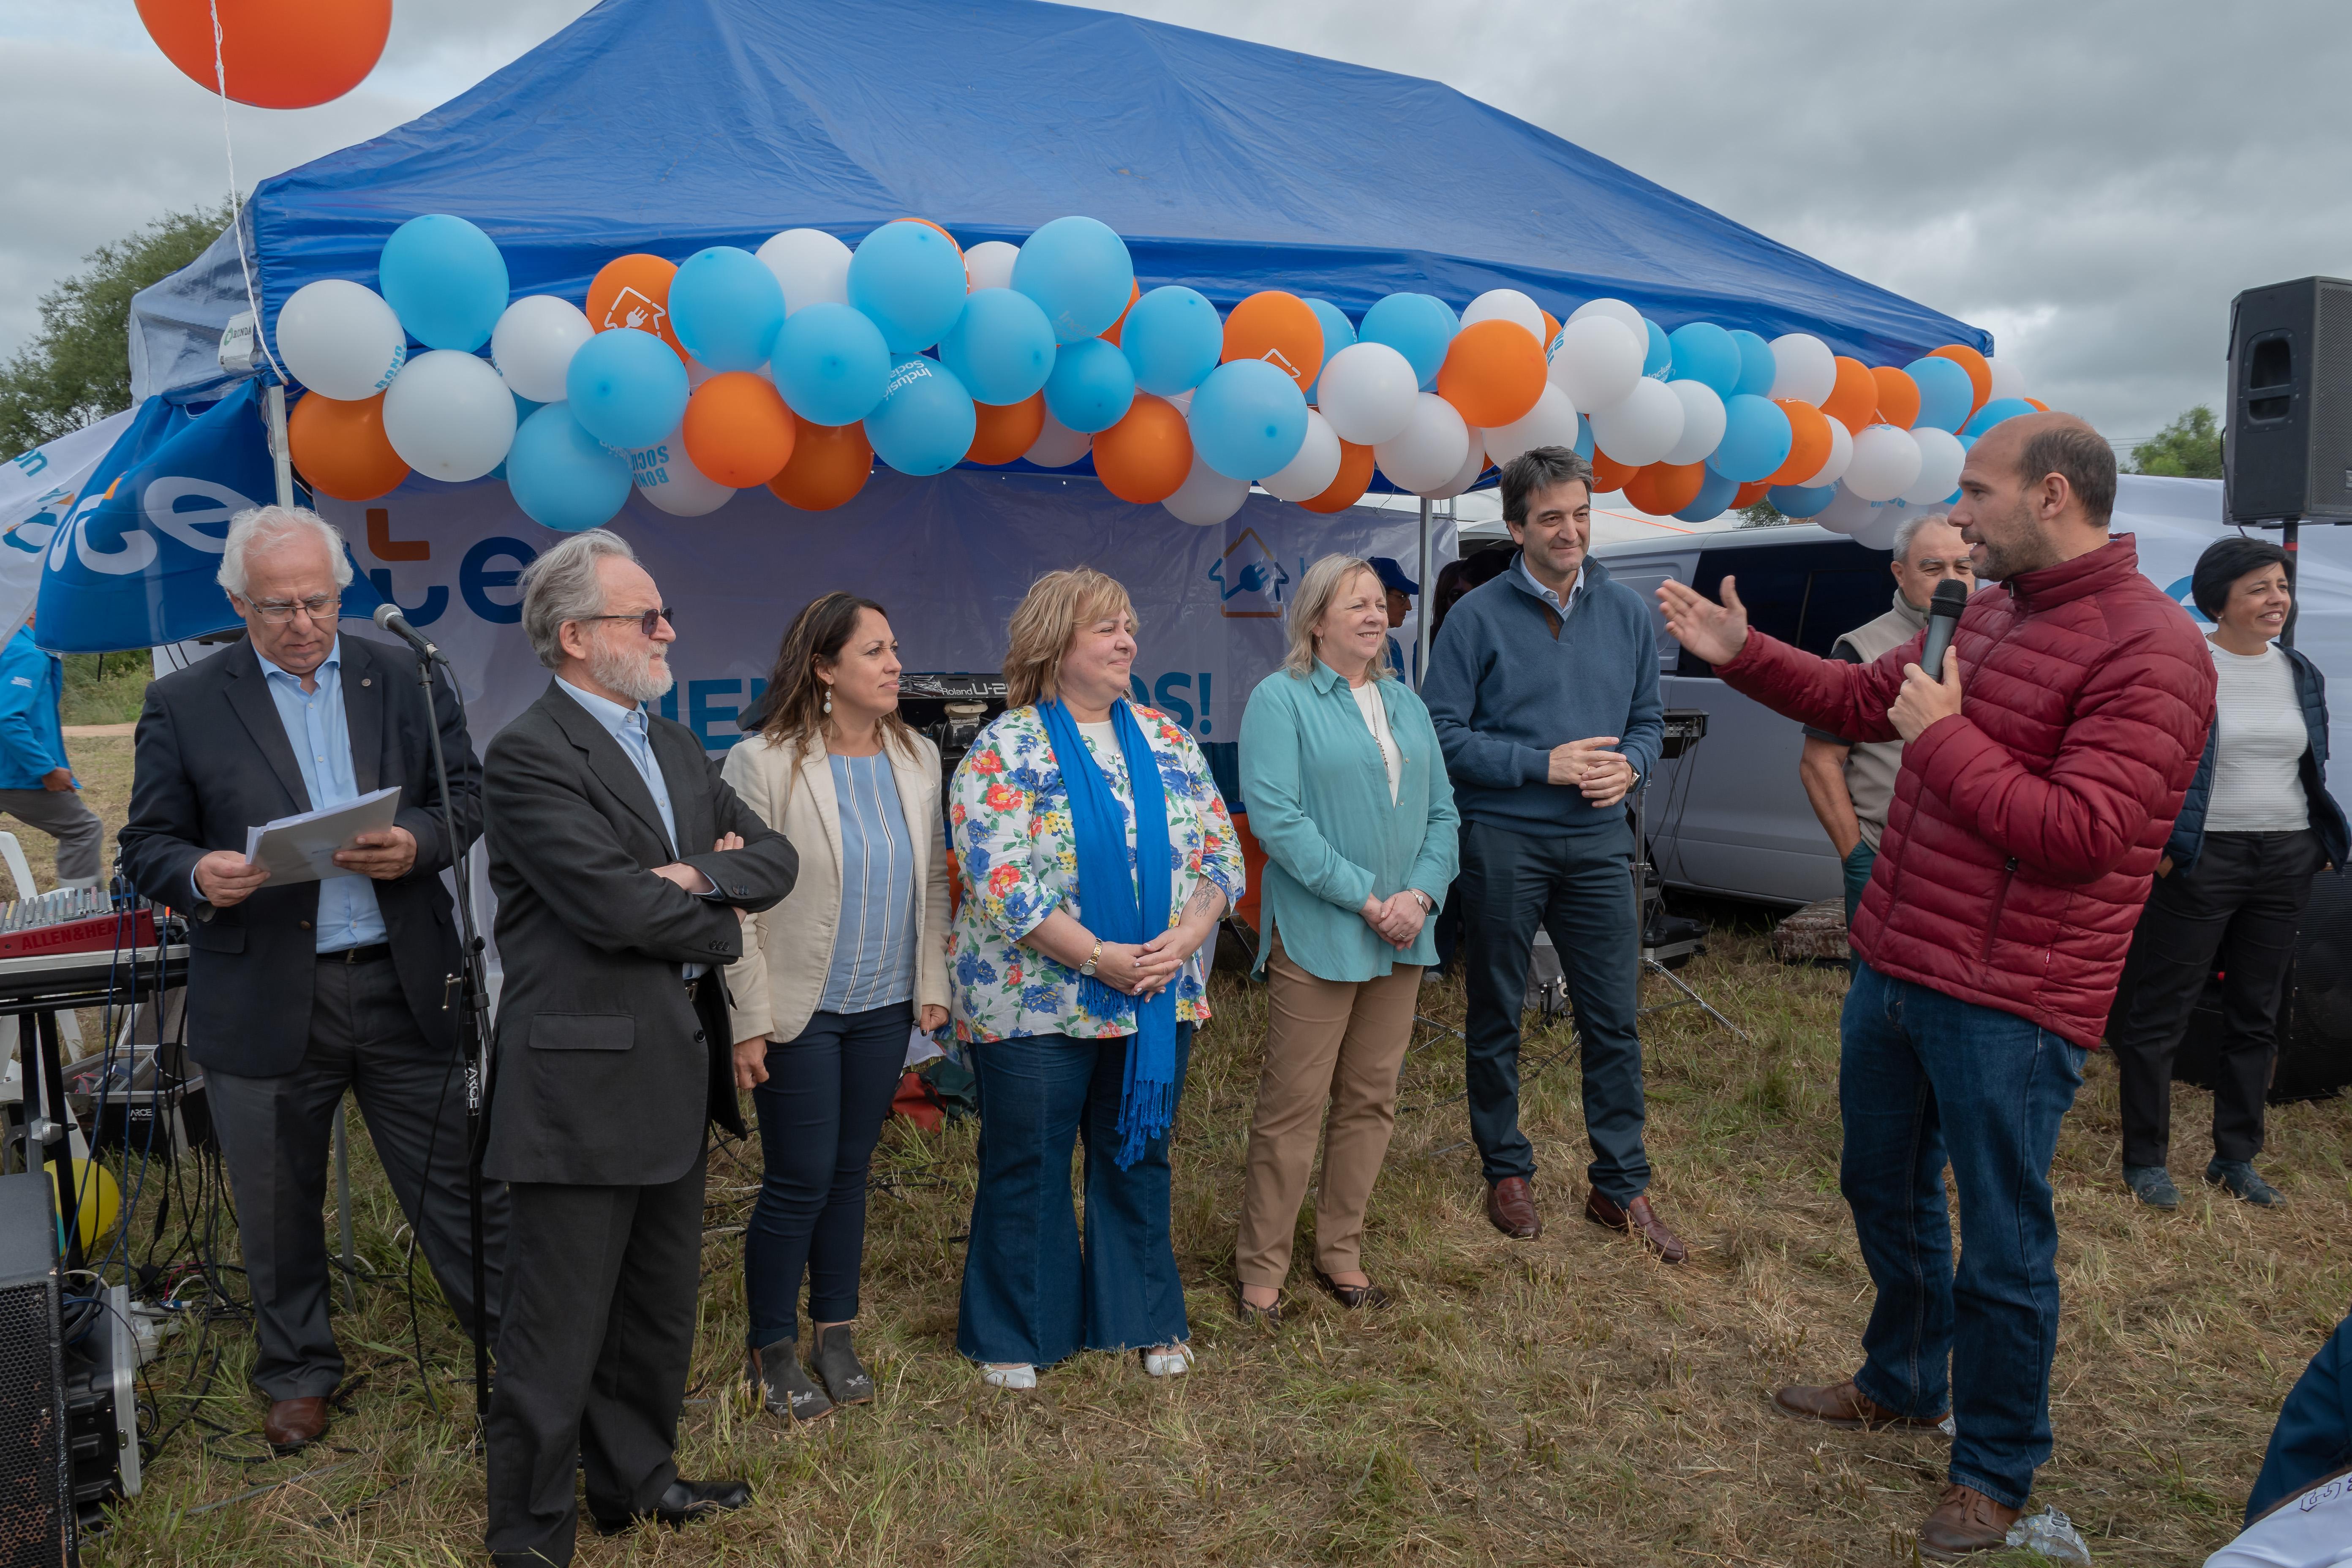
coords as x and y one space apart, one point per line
1596 362
1841 455
2008 381
1877 532
1057 446
1624 315
813 267
449 415
1369 393
1182 400
1846 512
1310 473
1428 451
1703 421
1507 305
1940 456
1803 368
989 264
1550 422
341 340
1885 462
1206 498
671 482
533 343
1464 477
1642 426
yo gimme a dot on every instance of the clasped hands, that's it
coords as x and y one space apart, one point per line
383 854
1397 919
1602 775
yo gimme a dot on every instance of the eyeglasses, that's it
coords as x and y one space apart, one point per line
646 623
279 612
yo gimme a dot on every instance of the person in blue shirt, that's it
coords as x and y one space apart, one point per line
1397 591
37 782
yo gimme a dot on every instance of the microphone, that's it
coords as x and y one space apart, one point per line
389 619
1943 618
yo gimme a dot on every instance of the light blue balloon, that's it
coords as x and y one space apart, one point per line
627 388
562 476
1801 500
1658 363
1337 334
1993 413
1756 439
1715 493
1079 273
1172 339
924 423
909 279
1001 347
725 306
445 279
1249 419
1091 386
1418 326
1705 352
830 363
1945 394
1756 367
524 409
1584 438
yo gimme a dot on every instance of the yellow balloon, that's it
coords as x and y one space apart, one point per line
98 1202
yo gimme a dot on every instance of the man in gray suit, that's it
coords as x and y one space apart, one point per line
296 992
614 926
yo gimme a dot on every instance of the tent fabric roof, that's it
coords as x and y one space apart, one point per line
669 125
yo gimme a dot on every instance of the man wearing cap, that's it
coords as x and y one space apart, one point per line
1400 589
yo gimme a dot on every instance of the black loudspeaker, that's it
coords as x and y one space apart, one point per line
36 1502
2287 446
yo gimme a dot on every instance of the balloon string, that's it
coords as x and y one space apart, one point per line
235 214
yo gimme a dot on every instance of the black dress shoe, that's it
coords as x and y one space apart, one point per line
683 1502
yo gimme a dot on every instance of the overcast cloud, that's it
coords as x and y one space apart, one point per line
2091 182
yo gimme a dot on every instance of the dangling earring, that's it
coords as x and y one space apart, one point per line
828 700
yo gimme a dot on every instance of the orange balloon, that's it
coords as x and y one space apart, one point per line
1898 396
1980 370
1134 292
2039 404
738 430
1748 494
342 448
1607 474
1354 479
634 291
1280 329
1853 402
829 465
275 54
1552 327
1001 432
1663 489
1144 458
1492 373
1809 444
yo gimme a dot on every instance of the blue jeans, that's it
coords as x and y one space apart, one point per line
1031 1292
1923 1078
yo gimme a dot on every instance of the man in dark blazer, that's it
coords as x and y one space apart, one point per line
621 861
296 992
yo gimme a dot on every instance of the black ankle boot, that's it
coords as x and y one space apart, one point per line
782 1385
836 1361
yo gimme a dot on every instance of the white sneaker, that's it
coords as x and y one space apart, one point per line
1019 1378
1168 1361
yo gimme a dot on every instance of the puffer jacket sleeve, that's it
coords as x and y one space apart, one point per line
1830 694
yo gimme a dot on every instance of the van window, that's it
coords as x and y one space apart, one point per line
1807 593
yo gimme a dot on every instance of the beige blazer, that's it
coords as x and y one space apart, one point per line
788 950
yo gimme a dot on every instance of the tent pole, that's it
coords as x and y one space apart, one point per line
277 452
1420 633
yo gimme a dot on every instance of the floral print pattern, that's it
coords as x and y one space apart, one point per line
1009 815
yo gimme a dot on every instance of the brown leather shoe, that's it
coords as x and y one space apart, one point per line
293 1423
1639 1219
1843 1404
1966 1521
1511 1209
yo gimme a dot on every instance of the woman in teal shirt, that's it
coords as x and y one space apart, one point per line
1348 795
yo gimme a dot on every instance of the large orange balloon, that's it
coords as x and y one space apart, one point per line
634 291
1354 479
1748 494
1134 292
1280 329
1144 458
1898 396
1492 373
829 465
276 54
342 449
1663 489
1608 475
1001 432
1808 444
738 430
1980 370
1852 401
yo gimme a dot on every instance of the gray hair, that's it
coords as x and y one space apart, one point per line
261 527
562 585
1908 529
1308 606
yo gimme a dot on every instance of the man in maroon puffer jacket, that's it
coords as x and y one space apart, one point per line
2040 778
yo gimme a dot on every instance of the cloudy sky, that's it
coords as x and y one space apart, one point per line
2090 180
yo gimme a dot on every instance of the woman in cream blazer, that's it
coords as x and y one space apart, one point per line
832 979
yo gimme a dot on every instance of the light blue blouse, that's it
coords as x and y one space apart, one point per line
874 947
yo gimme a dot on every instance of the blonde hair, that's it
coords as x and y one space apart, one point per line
1311 603
1050 614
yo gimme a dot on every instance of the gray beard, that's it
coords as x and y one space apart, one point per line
633 677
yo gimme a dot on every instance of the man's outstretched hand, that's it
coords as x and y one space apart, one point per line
1714 632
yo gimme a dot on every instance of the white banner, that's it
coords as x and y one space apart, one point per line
36 490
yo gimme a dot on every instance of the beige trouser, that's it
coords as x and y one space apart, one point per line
1327 1042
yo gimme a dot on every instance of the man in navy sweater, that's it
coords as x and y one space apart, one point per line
1544 690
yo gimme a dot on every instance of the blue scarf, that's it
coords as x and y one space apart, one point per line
1108 896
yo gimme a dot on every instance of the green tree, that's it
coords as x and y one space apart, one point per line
77 369
2188 449
1761 514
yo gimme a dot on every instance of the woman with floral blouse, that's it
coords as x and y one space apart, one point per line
1097 860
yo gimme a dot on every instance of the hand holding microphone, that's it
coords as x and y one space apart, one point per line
1925 698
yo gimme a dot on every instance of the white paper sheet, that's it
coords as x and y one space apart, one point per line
302 848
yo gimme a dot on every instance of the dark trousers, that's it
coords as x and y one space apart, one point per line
1923 1080
2236 912
275 1135
1579 887
2313 1439
1031 1292
821 1112
594 1345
